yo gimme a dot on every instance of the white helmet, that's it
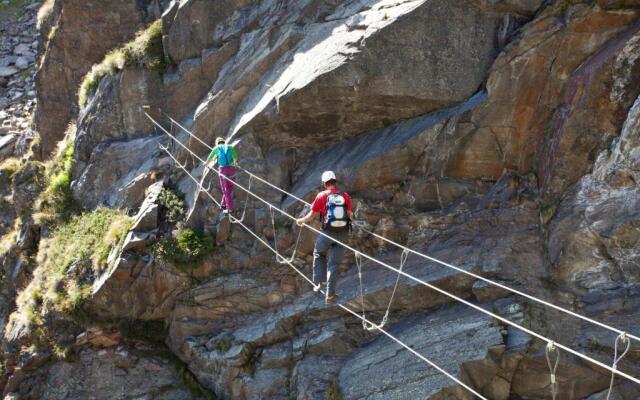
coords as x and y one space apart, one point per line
328 176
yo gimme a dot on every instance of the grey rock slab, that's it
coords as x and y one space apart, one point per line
449 337
353 154
138 240
7 144
22 63
7 60
147 217
8 71
22 49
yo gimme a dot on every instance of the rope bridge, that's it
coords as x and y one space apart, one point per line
551 350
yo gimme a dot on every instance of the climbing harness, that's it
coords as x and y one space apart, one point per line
427 284
280 258
549 350
373 327
622 338
246 202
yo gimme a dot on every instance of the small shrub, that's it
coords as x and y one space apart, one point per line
172 204
145 50
222 345
186 250
333 392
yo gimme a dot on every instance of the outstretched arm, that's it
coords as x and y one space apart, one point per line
307 218
234 155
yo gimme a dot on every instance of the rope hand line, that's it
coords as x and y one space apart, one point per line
419 254
421 281
345 308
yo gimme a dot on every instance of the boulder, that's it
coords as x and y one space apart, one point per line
136 287
115 372
111 168
7 71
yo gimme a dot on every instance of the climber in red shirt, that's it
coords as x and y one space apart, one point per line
336 214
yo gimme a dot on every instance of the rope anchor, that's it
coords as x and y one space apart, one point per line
623 339
553 367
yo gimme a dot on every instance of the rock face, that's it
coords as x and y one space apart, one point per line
500 136
79 35
115 372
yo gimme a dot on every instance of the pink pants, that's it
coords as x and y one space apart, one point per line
226 186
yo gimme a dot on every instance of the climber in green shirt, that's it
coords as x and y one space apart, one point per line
227 158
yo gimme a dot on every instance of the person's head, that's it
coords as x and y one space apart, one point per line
328 179
220 141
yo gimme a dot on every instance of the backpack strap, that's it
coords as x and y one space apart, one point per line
224 150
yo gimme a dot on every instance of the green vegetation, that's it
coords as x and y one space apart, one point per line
145 50
333 392
222 345
172 205
7 241
10 166
12 9
186 250
563 5
55 202
76 251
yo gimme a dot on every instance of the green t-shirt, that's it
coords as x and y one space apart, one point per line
219 152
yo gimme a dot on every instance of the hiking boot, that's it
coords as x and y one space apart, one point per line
320 286
331 299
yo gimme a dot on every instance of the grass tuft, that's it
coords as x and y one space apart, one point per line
55 203
145 50
68 262
333 392
10 166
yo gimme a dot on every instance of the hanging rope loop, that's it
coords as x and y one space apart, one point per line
246 202
280 259
624 340
549 351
